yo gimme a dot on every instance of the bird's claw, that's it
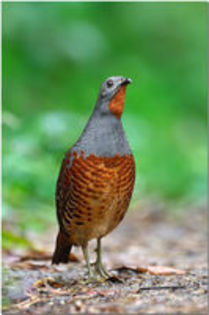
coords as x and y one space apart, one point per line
102 271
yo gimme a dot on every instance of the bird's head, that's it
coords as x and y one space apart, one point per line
112 96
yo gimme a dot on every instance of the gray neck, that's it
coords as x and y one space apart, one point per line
103 136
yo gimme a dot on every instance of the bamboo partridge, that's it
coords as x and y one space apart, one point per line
96 179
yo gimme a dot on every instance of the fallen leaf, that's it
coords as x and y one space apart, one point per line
161 270
47 282
29 265
36 255
142 269
153 270
41 255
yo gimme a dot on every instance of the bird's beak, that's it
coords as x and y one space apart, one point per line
126 81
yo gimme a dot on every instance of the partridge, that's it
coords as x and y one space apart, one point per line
96 179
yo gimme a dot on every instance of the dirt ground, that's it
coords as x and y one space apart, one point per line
158 262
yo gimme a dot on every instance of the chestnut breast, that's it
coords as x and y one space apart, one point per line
93 194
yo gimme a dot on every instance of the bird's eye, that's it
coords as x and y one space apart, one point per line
109 83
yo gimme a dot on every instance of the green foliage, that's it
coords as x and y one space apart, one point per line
11 240
55 56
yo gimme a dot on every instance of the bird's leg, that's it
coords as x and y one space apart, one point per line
91 274
99 266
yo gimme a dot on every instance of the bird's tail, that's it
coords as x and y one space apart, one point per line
62 250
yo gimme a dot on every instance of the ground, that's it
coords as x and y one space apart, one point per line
157 259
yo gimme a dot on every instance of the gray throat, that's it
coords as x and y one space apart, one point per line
103 136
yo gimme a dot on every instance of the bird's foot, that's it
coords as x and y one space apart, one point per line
102 271
92 276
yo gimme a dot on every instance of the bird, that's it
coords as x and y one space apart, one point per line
96 179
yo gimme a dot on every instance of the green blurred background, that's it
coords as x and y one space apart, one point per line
56 55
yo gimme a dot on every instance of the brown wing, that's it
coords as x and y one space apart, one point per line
93 194
81 186
63 187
